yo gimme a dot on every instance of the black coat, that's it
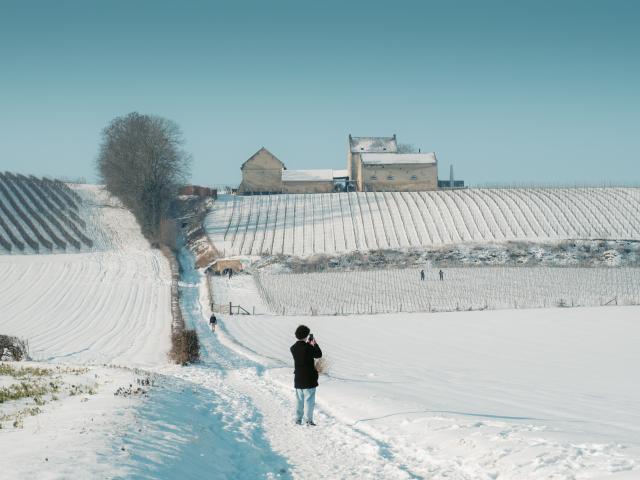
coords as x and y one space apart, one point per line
305 373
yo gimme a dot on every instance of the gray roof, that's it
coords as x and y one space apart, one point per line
398 158
373 144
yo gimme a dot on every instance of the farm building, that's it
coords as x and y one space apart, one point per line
307 181
397 172
262 173
198 191
222 265
361 145
375 164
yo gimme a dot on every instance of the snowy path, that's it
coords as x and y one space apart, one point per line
476 395
443 418
227 389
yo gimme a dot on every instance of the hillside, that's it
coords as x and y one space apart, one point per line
83 310
304 225
41 215
107 303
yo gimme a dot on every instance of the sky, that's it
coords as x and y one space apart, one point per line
509 92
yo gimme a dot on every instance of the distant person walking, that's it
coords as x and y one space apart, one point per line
304 351
213 321
422 275
441 273
230 273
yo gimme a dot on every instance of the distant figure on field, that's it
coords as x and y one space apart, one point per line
213 321
422 275
230 273
441 273
304 351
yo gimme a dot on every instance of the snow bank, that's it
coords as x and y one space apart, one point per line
514 394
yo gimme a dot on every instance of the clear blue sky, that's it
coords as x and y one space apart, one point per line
507 91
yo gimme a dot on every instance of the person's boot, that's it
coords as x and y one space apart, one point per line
310 423
299 422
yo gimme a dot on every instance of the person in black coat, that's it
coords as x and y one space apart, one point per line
304 351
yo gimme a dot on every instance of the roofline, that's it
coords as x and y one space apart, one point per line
260 150
435 158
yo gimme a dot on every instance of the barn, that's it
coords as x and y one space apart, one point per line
262 173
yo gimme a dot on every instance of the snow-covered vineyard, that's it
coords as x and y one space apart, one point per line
471 288
58 302
41 215
341 222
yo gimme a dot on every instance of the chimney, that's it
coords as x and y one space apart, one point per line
451 176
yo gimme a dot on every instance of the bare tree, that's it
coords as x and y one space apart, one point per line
142 162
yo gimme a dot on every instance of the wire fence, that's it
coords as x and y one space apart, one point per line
462 288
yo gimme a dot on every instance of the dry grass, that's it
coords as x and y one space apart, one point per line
22 390
18 372
205 259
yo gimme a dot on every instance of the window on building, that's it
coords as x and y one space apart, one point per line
390 177
373 177
414 177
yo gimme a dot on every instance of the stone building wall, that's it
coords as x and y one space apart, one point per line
399 178
307 187
262 173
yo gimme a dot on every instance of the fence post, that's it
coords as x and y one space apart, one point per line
230 309
254 310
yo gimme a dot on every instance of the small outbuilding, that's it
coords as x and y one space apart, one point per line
307 181
221 265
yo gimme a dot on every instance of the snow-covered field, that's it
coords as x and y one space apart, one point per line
341 222
42 216
70 432
109 304
546 393
474 395
401 290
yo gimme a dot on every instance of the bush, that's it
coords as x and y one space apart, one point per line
168 233
13 348
185 347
